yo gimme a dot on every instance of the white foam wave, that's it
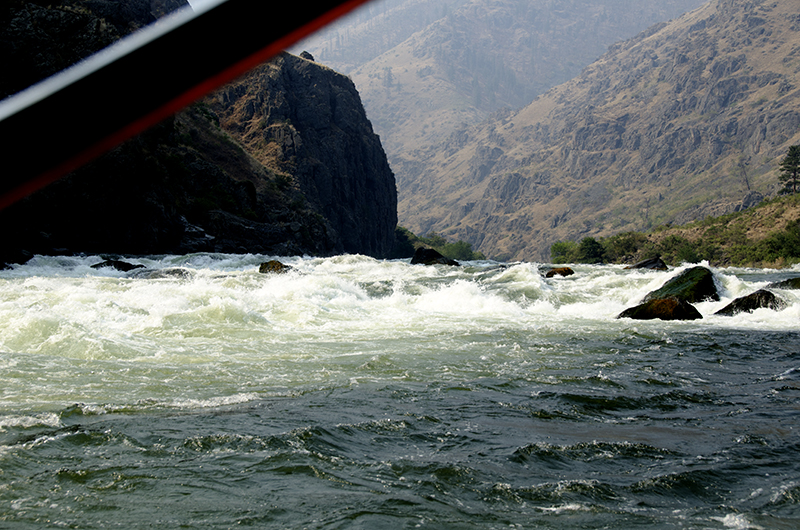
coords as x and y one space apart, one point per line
45 419
569 507
737 521
214 402
322 320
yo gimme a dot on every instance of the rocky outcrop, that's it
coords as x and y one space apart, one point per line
306 122
670 308
170 273
116 264
674 299
693 285
757 300
289 166
183 186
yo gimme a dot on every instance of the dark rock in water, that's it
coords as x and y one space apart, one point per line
653 263
791 283
274 266
428 256
119 265
670 308
692 285
559 271
156 274
753 301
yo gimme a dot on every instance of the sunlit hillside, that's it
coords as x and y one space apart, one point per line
688 119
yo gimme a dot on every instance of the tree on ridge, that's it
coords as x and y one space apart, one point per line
790 170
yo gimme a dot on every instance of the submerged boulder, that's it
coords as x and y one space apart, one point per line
692 285
753 301
274 266
791 283
173 273
559 271
119 265
653 264
429 256
670 308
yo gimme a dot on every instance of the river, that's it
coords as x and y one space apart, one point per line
360 393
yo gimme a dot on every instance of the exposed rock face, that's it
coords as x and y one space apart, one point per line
304 120
670 308
319 183
692 285
749 200
473 58
759 299
181 187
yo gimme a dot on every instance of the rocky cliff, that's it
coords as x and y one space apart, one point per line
685 120
306 122
301 173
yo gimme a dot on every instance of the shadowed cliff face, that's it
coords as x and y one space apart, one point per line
183 186
188 185
304 120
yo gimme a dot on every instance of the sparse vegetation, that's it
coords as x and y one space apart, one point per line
721 240
205 110
283 181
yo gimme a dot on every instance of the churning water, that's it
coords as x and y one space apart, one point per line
358 393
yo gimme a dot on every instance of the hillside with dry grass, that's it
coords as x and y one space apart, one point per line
767 235
424 67
685 121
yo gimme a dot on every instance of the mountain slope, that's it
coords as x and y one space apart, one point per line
474 57
372 29
682 121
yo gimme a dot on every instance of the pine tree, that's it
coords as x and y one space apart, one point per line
790 170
